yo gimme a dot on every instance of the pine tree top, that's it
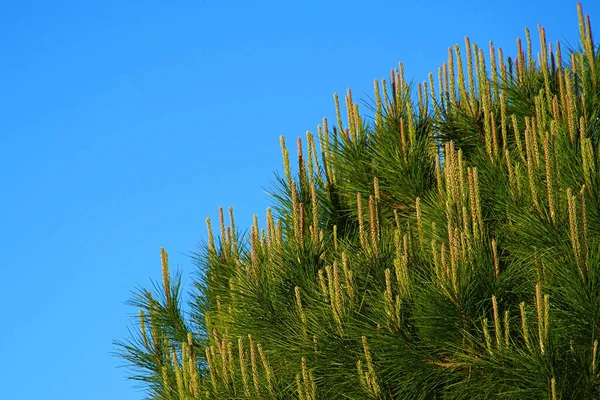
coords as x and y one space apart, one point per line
448 248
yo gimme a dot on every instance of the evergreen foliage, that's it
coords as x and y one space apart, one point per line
447 249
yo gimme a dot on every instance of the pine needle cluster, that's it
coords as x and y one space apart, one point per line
447 248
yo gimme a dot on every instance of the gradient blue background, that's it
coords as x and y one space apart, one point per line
123 124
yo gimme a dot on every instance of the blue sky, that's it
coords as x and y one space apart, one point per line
124 124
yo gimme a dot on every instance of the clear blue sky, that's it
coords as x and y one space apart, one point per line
123 124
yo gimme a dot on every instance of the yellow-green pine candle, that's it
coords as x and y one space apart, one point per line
347 276
299 307
373 226
470 74
546 316
254 366
243 369
322 284
267 368
549 185
166 383
379 110
349 112
524 328
230 363
530 61
539 305
573 229
584 229
224 363
452 78
224 240
506 329
503 120
503 71
181 392
302 170
338 112
494 70
433 95
386 99
286 161
314 209
305 380
496 260
211 240
213 369
300 388
462 90
486 335
233 232
339 301
165 273
372 377
421 98
497 331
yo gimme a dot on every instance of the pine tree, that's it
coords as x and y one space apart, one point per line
447 248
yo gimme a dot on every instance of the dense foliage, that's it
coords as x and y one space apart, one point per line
449 248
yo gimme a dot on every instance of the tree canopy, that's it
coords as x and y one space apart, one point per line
446 248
